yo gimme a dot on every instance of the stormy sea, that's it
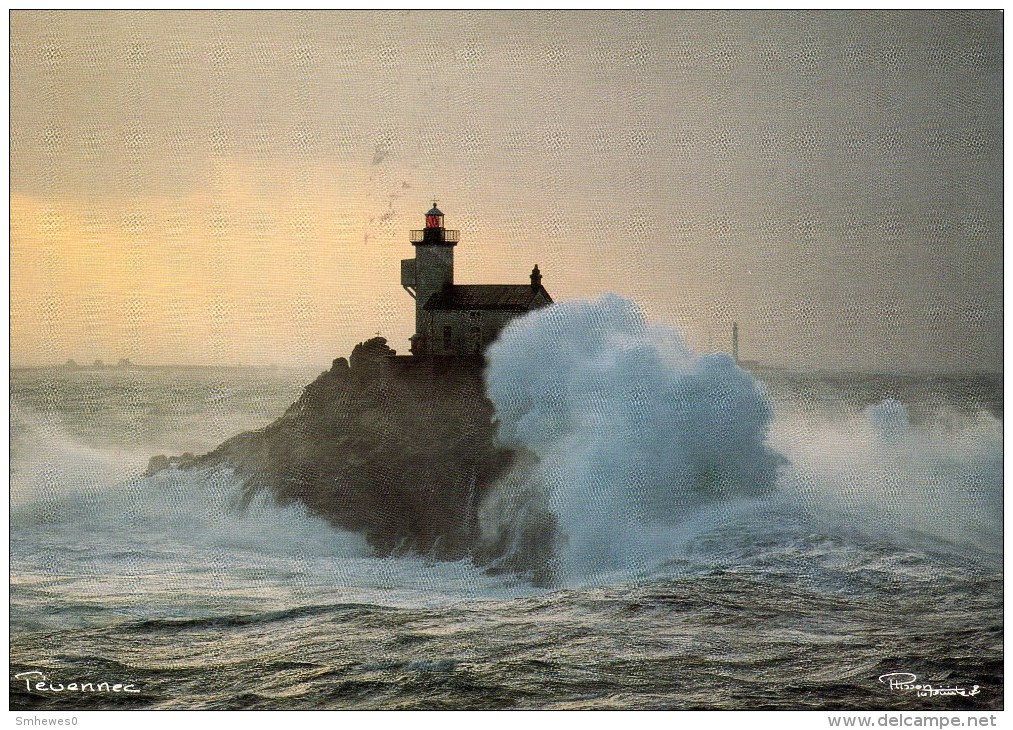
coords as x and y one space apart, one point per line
875 549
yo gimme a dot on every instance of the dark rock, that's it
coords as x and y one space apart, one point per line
156 464
371 354
402 450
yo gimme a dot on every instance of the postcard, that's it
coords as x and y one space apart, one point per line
520 360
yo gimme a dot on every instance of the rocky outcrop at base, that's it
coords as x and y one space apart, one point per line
161 462
400 449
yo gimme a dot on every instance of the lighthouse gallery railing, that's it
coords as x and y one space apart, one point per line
441 235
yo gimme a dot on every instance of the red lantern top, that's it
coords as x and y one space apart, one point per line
434 218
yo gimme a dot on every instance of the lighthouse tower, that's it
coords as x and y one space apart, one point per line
432 269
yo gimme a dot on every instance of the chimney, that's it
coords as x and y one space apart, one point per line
536 278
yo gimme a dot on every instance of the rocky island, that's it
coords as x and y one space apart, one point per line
400 449
403 449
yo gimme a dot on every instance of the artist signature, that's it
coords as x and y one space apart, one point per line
908 682
36 680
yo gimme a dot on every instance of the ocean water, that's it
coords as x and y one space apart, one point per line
877 550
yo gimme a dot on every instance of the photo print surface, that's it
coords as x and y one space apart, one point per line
506 360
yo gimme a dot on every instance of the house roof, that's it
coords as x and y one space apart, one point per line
515 297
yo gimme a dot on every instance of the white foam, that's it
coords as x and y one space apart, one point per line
633 431
880 474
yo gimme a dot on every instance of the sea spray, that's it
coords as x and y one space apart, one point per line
629 430
94 544
882 475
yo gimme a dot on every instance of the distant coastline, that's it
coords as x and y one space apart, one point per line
128 368
754 367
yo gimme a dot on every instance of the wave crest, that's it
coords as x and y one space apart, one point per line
631 431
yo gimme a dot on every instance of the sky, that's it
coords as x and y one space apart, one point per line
233 188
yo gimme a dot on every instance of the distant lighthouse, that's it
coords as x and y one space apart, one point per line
747 364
